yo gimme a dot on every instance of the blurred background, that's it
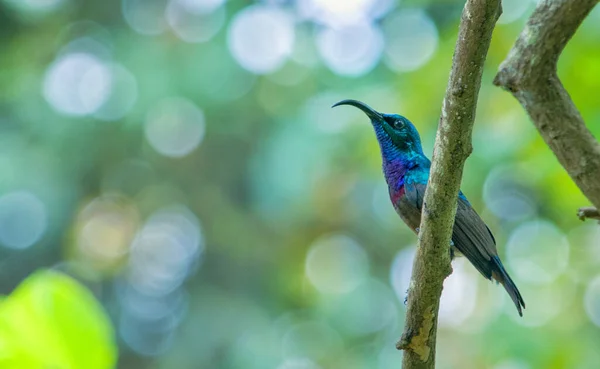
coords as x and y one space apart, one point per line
180 158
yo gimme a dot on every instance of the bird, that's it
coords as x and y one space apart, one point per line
406 171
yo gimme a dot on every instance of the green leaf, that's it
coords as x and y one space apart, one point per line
52 321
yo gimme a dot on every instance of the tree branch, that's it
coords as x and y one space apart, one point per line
588 213
452 147
529 73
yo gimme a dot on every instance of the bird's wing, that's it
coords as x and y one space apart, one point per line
409 206
473 238
414 193
470 235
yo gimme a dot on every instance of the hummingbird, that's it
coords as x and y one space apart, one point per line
406 170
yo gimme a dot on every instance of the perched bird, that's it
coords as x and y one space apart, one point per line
406 171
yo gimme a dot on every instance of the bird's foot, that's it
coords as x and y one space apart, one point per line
406 297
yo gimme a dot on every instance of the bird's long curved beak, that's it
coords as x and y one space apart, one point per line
371 113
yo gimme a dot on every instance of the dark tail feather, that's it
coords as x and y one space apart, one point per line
502 277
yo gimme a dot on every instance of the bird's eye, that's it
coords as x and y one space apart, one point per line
398 124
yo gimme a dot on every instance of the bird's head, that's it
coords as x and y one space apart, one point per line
394 132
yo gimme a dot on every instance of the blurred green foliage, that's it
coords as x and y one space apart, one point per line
51 321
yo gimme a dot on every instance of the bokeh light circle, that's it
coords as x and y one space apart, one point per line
77 84
544 304
166 310
353 50
591 301
340 13
175 127
143 338
505 197
164 251
460 288
23 219
411 39
459 295
336 264
261 38
584 261
146 17
190 21
258 345
105 228
122 97
538 252
401 271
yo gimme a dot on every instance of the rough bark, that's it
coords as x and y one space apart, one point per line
529 73
452 147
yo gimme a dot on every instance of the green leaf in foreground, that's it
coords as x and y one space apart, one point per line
52 321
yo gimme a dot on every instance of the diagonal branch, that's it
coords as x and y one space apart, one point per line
529 73
452 147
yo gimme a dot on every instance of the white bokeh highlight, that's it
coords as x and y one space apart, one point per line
261 38
194 21
460 288
411 39
336 264
505 197
165 251
339 13
544 304
106 227
538 252
591 301
77 84
584 262
175 127
401 271
352 50
151 308
23 219
459 295
512 10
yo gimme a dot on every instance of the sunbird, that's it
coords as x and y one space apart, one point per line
406 171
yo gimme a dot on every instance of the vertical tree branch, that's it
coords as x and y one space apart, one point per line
529 73
452 147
